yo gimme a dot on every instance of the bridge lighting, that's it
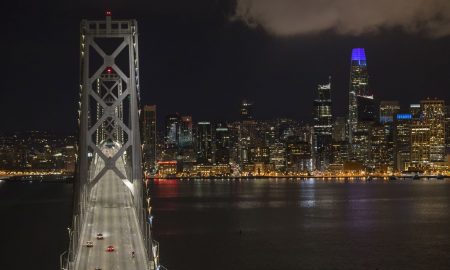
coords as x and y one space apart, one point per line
109 70
108 13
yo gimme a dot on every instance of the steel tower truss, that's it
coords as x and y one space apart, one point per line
109 115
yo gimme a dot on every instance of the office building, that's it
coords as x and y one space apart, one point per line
339 155
402 141
298 155
420 146
204 143
246 113
171 137
323 127
381 152
222 144
186 139
360 145
433 115
277 156
148 130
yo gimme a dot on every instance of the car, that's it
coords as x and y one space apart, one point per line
89 244
99 236
110 249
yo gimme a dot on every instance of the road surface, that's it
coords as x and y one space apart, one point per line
111 213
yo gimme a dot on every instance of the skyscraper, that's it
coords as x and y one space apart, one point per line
172 130
447 129
246 112
186 151
204 142
171 136
359 86
360 148
420 145
402 140
186 137
222 144
433 115
323 126
149 135
381 152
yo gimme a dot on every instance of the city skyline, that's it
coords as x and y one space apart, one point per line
140 134
214 64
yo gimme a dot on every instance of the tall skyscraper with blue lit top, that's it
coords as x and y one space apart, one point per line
359 87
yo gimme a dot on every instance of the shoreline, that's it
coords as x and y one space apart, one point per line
38 178
366 178
70 178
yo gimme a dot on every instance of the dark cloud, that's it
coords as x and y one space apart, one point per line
352 17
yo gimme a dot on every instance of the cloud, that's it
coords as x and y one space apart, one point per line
350 17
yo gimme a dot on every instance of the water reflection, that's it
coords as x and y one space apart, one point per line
307 224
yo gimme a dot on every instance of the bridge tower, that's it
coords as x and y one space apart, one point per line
108 117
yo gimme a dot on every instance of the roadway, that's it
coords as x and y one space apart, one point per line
112 214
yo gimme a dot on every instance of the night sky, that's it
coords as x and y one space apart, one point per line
203 57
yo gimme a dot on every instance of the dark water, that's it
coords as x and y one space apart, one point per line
33 222
290 224
285 224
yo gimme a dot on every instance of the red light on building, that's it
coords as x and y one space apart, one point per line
109 70
167 163
108 13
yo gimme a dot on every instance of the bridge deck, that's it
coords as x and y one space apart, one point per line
111 213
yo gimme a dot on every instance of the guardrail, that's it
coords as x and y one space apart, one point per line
64 261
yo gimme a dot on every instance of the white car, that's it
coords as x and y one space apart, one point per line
89 244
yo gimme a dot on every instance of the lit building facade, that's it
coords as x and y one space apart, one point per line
259 154
278 156
381 152
298 155
433 115
447 130
339 154
359 86
222 144
204 143
323 127
246 112
148 130
171 137
186 139
172 130
360 145
402 141
420 146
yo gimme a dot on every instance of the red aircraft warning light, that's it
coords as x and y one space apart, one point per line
108 13
109 70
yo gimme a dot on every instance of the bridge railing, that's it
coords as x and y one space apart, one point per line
64 261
